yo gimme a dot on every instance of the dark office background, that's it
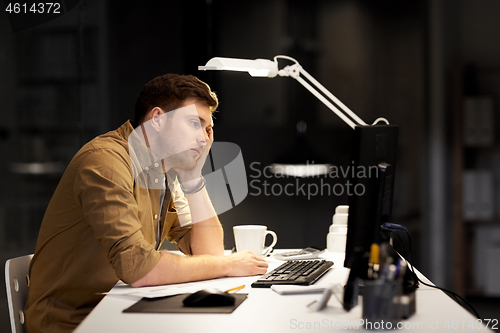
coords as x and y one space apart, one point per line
413 62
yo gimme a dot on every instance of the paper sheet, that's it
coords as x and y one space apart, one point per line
222 284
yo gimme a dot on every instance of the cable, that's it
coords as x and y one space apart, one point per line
456 297
284 57
381 119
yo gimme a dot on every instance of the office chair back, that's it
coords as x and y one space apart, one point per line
17 283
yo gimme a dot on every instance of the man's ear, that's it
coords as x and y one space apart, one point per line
154 117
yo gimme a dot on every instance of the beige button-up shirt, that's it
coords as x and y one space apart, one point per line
101 226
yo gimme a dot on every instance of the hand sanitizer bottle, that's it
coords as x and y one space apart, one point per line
336 239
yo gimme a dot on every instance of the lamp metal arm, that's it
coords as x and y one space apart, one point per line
296 70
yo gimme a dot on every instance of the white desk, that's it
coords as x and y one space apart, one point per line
266 311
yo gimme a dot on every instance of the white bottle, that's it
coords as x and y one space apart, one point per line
336 239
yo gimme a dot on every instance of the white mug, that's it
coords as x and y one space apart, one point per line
252 238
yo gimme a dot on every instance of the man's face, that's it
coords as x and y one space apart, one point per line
186 134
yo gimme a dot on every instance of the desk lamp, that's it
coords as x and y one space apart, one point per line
374 150
268 68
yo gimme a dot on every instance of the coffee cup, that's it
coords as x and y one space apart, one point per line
252 238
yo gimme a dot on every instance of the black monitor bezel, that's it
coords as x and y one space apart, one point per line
371 146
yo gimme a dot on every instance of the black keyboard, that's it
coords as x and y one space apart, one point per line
298 272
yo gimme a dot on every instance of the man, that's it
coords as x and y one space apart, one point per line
122 194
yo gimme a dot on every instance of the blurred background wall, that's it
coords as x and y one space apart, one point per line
432 67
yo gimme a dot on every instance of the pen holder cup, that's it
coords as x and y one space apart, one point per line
408 304
382 304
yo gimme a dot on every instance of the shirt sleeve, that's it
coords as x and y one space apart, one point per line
104 187
181 205
180 231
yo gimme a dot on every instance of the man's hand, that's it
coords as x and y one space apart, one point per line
246 264
190 177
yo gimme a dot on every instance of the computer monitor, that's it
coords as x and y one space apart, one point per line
370 205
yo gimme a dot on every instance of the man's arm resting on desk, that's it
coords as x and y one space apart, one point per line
207 235
173 268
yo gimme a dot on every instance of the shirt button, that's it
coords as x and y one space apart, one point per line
146 168
156 216
156 165
156 180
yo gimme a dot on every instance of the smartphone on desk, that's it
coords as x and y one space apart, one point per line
310 252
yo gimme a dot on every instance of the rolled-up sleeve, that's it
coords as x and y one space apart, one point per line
104 187
181 205
181 236
180 230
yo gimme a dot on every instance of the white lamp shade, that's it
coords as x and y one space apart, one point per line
257 67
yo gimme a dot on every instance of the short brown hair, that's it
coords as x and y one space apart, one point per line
169 91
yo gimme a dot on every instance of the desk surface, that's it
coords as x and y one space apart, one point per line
266 311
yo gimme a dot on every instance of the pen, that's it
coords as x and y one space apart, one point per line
235 289
386 270
401 269
373 264
398 267
391 272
